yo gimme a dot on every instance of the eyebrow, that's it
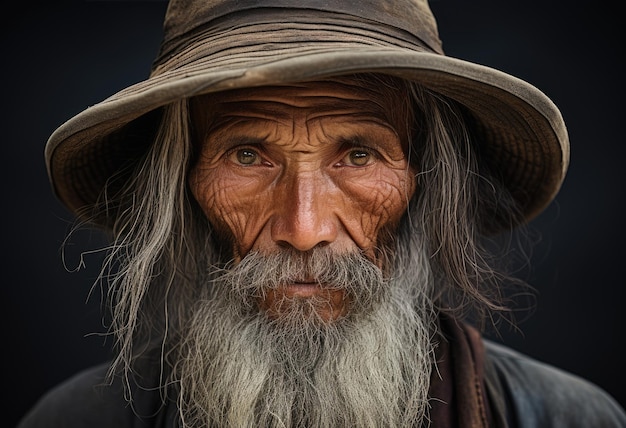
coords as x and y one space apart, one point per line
366 140
356 140
226 140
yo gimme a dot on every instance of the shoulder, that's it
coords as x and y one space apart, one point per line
538 394
88 400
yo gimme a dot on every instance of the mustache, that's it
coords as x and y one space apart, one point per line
351 272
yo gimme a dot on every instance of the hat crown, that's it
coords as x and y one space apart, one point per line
185 17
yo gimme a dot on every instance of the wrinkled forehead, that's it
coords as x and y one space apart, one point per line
381 98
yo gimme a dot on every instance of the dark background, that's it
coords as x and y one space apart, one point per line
57 60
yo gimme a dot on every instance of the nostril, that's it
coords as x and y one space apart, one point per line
285 244
316 231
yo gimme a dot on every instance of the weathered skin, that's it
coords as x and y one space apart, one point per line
302 166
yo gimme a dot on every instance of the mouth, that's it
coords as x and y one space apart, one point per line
329 304
301 289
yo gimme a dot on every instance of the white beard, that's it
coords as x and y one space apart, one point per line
369 369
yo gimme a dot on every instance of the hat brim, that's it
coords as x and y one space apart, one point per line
523 134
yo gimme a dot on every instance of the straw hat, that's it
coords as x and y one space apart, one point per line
216 45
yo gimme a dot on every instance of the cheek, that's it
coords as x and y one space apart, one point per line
229 203
378 202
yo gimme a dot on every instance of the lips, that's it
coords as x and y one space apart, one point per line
301 289
329 304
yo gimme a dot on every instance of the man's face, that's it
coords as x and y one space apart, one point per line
302 167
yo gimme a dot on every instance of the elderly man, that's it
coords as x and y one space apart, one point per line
297 199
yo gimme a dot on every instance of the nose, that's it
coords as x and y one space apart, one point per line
305 213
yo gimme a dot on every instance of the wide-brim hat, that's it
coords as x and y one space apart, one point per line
212 46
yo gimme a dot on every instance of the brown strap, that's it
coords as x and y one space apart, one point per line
457 391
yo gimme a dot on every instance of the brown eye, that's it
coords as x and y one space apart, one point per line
359 158
246 156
